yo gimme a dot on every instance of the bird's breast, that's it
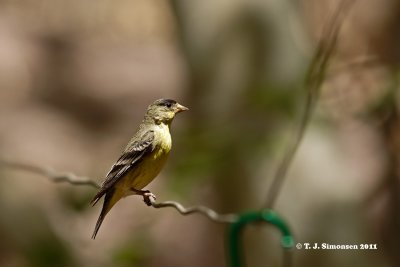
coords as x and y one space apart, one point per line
164 139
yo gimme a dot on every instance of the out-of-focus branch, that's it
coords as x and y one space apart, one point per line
317 72
57 177
73 179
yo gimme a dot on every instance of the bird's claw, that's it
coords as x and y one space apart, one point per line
148 197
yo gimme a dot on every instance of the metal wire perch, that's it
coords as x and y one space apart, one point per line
71 178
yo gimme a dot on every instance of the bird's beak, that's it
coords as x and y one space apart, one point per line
180 108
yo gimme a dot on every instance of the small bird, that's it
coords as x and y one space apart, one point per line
142 159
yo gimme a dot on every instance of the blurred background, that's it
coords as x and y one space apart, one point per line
77 76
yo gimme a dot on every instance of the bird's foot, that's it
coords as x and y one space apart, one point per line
148 197
146 194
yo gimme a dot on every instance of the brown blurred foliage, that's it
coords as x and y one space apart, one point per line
77 76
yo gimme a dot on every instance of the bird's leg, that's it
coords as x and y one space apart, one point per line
146 194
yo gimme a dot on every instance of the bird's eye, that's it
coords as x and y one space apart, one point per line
168 105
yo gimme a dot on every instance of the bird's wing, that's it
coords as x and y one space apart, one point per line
131 155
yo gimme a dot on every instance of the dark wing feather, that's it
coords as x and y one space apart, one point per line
129 157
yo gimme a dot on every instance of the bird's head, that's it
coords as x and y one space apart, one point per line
164 110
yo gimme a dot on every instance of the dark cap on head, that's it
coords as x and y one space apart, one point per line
165 102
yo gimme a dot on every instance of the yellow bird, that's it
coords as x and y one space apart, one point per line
142 159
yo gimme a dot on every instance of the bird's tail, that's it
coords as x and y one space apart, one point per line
109 201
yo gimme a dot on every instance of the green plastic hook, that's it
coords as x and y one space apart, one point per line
236 228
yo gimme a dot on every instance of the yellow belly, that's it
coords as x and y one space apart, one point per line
144 172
